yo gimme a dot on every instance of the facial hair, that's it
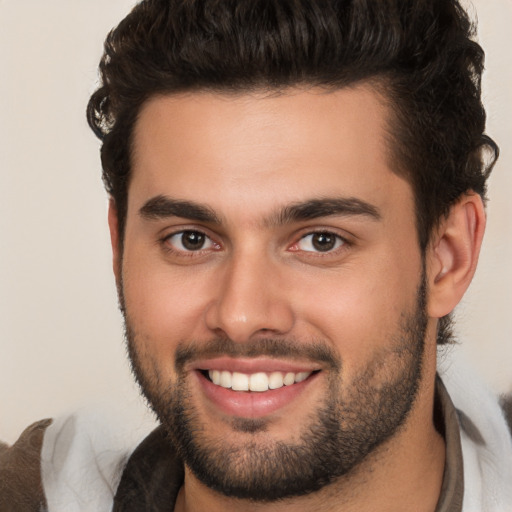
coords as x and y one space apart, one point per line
347 427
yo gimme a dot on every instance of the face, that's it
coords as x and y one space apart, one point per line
272 285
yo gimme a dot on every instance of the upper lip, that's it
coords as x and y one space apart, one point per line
254 365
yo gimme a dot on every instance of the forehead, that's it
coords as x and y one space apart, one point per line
259 149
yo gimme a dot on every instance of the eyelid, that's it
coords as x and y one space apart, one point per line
345 241
345 244
177 231
179 241
309 247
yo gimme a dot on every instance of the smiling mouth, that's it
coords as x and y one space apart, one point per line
257 382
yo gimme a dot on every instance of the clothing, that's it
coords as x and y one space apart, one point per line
485 440
84 469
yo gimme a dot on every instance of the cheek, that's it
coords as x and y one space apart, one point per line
164 307
361 308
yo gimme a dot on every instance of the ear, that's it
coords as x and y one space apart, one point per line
453 254
113 225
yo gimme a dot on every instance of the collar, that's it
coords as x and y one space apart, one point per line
447 422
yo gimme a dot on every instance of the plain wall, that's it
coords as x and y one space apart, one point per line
61 341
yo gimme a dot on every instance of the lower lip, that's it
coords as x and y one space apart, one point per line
252 404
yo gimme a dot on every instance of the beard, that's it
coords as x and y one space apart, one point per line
349 424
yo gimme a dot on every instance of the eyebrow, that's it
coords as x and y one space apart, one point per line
324 207
162 207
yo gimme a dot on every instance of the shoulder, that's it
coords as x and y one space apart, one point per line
21 488
486 440
84 454
506 405
73 462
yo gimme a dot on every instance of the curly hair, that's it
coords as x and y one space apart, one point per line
420 55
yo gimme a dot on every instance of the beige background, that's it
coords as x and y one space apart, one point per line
61 343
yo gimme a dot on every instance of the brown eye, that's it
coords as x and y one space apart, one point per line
323 241
320 242
192 240
187 241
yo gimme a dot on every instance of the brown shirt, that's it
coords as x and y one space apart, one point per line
21 489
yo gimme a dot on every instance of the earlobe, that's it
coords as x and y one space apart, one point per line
113 225
453 254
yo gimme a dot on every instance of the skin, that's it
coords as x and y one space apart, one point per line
245 158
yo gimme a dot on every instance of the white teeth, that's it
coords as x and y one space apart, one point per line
299 377
275 381
240 382
259 382
289 379
215 376
225 379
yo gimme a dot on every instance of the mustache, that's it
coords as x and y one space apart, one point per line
317 351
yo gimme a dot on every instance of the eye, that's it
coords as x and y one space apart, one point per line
320 242
189 241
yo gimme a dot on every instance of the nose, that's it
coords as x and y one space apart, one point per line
250 300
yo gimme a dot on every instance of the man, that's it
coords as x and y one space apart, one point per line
297 205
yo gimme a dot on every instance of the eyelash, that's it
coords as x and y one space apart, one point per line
341 243
165 242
